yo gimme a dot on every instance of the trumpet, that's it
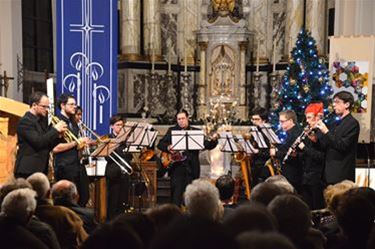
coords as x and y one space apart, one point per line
116 158
68 135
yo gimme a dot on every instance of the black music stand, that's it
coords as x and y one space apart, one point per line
183 140
246 145
267 130
258 137
228 144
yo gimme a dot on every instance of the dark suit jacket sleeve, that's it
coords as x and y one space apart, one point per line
165 141
210 144
344 142
27 129
313 153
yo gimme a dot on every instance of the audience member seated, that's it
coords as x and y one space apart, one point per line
16 210
282 182
113 236
163 215
355 215
202 200
294 219
66 224
194 232
40 229
250 217
64 193
141 224
225 185
265 192
268 240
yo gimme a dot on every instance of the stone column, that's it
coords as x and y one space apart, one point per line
294 22
315 22
130 17
202 74
242 86
152 29
260 15
188 22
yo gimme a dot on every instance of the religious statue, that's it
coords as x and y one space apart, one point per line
223 8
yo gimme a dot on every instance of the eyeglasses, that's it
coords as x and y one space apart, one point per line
44 106
255 119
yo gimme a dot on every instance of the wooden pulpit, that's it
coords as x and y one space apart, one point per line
10 113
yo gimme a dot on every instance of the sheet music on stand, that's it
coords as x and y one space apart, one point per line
246 145
147 136
227 142
267 130
187 140
99 165
128 134
105 148
258 137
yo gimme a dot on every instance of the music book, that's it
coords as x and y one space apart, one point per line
187 140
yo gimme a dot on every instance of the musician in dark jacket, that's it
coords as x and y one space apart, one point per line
183 172
292 167
118 181
35 138
340 141
67 161
313 158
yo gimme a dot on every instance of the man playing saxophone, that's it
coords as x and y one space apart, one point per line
67 161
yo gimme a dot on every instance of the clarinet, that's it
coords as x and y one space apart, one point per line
306 132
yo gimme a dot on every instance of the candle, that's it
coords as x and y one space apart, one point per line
152 60
169 59
257 59
185 59
184 42
274 57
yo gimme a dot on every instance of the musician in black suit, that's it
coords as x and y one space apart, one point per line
313 158
292 168
67 161
183 172
259 172
340 141
117 179
35 138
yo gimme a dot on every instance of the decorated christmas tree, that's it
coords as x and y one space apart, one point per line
306 80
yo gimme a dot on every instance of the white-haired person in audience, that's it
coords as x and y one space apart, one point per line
202 200
16 210
40 229
68 225
65 193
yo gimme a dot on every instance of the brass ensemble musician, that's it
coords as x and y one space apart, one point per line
118 181
183 172
35 138
67 161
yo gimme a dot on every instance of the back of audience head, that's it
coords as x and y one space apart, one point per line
19 205
141 224
250 217
40 184
225 185
64 191
194 232
334 190
355 215
265 192
293 216
13 184
268 240
281 182
113 235
163 215
202 200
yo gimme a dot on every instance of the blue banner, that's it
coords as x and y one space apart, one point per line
87 57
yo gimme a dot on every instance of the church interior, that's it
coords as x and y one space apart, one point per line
220 61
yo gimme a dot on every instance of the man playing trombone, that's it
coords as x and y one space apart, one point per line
35 138
67 161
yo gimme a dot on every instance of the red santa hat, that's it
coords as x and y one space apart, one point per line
316 108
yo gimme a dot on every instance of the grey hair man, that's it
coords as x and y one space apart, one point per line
202 200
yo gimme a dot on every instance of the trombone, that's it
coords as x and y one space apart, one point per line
68 135
120 162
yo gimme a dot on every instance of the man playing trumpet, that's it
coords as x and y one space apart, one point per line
35 138
67 161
